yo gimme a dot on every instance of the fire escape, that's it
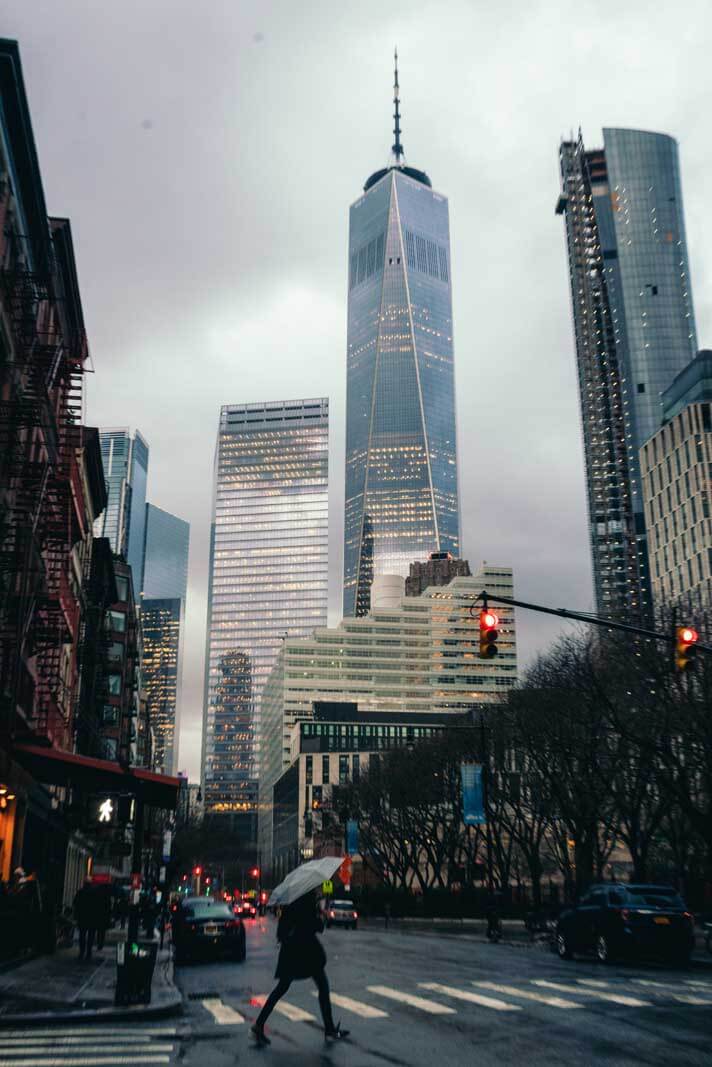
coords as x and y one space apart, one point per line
41 511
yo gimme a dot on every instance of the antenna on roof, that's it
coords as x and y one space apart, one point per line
397 146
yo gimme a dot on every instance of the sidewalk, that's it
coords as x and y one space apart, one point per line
59 988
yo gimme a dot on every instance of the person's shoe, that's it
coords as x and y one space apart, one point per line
337 1034
259 1035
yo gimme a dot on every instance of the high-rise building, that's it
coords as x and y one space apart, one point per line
125 458
634 330
164 578
401 455
675 466
268 577
411 655
164 571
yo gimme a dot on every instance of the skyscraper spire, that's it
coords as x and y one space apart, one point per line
397 146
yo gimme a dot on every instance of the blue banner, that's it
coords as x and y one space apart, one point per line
351 837
473 809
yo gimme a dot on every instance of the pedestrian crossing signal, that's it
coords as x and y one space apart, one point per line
686 648
488 634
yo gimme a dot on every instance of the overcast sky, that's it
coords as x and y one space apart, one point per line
207 154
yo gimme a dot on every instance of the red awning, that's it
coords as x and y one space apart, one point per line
55 767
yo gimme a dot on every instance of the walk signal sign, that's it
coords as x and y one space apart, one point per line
488 634
686 649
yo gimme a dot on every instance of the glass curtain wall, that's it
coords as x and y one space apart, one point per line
268 576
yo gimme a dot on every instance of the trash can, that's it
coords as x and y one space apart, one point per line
135 961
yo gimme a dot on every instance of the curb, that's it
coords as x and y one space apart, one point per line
97 1015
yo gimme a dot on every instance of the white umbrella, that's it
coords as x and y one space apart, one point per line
305 878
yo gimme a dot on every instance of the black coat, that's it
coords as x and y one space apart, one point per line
301 954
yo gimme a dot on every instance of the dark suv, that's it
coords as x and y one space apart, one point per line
616 920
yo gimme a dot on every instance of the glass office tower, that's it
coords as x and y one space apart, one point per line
164 586
634 330
125 459
268 577
401 455
162 626
165 554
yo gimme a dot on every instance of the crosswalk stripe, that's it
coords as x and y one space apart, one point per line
85 1061
664 987
430 1006
698 984
366 1011
527 994
688 998
223 1014
615 998
472 998
139 1034
291 1011
102 1049
30 1039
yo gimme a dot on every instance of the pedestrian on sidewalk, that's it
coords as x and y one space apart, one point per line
87 912
103 909
301 956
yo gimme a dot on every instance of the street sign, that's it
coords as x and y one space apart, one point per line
327 888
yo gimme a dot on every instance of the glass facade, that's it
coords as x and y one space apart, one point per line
634 330
165 554
268 576
401 456
161 621
125 459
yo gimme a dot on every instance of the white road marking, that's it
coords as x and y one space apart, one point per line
291 1011
472 998
665 987
615 998
689 999
223 1014
366 1011
138 1034
526 994
85 1061
101 1049
430 1006
115 1039
699 985
595 982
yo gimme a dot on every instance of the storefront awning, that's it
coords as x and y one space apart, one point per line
55 767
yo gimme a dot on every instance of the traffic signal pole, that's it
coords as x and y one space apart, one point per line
579 616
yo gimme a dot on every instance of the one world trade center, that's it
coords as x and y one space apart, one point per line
401 457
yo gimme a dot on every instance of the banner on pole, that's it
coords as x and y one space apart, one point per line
351 836
473 809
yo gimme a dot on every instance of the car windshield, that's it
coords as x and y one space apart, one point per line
209 911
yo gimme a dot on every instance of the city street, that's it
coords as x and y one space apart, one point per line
414 998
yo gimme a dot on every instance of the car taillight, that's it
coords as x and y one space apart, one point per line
355 915
332 914
690 917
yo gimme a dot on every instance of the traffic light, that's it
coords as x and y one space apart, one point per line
197 871
255 872
488 634
686 650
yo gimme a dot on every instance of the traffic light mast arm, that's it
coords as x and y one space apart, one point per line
578 616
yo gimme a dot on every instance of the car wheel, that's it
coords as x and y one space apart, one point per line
603 949
562 947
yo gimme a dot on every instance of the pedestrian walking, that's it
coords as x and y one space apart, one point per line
87 912
301 955
103 909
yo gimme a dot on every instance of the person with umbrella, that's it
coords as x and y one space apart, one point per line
301 954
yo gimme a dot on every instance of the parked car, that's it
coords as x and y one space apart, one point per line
207 928
341 913
615 920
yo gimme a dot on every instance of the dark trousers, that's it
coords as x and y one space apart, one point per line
100 937
322 984
86 941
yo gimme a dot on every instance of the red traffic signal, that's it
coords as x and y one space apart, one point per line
685 650
255 872
197 871
488 634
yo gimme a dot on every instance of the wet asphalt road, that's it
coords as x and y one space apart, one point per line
414 999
